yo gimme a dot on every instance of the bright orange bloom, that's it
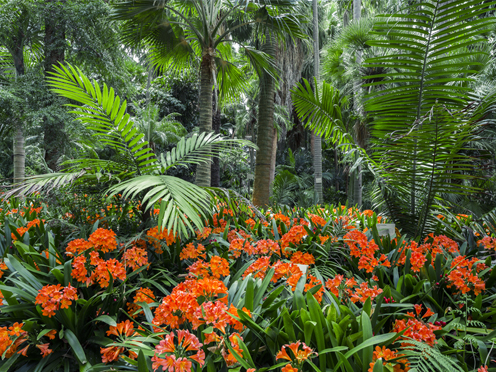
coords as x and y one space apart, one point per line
488 243
317 220
125 328
178 359
303 258
463 275
135 258
350 289
289 368
111 353
55 297
258 268
202 235
238 246
416 330
294 236
192 252
297 356
3 267
154 237
51 334
44 349
365 250
268 247
386 356
236 324
483 369
102 270
103 240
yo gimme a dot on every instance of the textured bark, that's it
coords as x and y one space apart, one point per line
203 171
55 44
265 141
357 87
273 159
19 156
317 140
215 181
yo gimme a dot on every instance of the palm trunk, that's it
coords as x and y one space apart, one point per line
203 172
19 156
55 43
317 141
215 181
265 142
273 159
357 87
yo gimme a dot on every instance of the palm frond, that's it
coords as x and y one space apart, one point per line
199 149
182 204
101 110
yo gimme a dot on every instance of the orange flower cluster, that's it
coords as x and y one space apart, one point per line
365 250
11 338
123 330
267 246
258 268
77 247
416 329
236 234
389 359
463 275
488 242
142 295
181 305
135 257
55 297
311 282
283 218
216 268
251 223
303 258
350 289
202 235
3 267
192 252
154 237
294 236
229 358
103 240
180 358
298 355
317 220
285 270
101 272
237 246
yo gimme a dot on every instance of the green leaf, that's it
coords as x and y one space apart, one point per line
75 345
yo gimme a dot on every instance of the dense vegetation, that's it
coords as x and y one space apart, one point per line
252 185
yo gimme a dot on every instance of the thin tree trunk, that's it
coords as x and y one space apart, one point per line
55 44
19 156
273 159
317 140
203 171
215 181
336 167
265 142
357 87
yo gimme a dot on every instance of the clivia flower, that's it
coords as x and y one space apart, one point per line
298 355
178 357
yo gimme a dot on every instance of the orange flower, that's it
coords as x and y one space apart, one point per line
350 289
259 268
179 358
303 258
202 235
111 353
294 236
416 330
55 297
298 355
236 324
44 349
3 267
365 250
488 243
268 246
103 240
154 237
125 328
317 220
190 252
386 356
289 368
463 275
105 269
237 246
135 258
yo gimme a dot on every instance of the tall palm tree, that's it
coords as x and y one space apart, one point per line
317 140
424 115
179 33
17 29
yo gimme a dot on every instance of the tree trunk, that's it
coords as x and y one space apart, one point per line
215 181
273 159
336 167
203 171
55 45
357 87
317 140
265 142
19 156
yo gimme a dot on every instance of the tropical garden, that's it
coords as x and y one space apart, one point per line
247 185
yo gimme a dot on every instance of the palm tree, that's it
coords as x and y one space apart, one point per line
317 140
179 33
424 115
135 170
16 30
